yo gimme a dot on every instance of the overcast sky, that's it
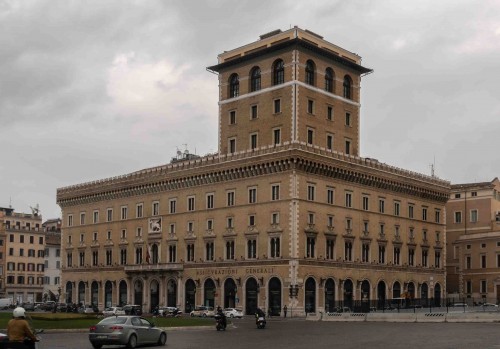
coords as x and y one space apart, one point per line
95 89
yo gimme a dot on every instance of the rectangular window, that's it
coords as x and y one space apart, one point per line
397 206
275 192
437 259
210 224
251 220
95 217
483 261
109 214
124 212
210 201
330 249
191 203
310 247
397 255
232 145
473 216
277 136
123 256
437 216
329 112
348 147
348 251
410 211
424 258
209 251
366 201
473 193
230 198
381 205
190 252
253 141
252 248
82 218
458 217
139 210
277 106
310 106
381 254
232 117
482 286
70 220
424 213
348 199
310 136
348 119
252 195
172 253
172 206
156 208
468 262
311 192
330 196
329 142
254 112
411 256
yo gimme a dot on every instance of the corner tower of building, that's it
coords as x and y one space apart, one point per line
289 87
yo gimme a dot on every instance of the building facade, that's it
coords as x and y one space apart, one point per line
24 259
52 256
286 213
473 229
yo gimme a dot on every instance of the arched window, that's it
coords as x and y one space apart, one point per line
329 80
234 86
278 72
347 87
310 72
255 79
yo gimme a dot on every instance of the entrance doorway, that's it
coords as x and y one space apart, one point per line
122 293
381 297
209 293
230 293
251 292
330 296
310 296
108 294
154 295
189 297
138 287
274 296
171 293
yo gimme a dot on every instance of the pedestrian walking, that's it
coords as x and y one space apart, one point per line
284 310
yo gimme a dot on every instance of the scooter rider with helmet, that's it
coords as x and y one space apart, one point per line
222 315
18 329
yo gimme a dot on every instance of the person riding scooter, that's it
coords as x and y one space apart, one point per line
222 316
260 318
18 329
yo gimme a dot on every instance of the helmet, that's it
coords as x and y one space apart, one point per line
18 312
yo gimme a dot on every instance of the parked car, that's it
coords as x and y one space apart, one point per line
131 309
62 307
88 309
126 330
48 305
28 306
459 305
203 311
111 311
233 312
169 311
490 306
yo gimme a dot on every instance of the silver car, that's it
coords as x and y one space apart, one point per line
126 330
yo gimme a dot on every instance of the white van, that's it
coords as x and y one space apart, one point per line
5 303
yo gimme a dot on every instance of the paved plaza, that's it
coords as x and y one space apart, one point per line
291 334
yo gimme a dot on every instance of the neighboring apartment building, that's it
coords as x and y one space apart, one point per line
52 256
2 253
473 241
24 259
286 213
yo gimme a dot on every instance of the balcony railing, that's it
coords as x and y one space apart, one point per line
154 267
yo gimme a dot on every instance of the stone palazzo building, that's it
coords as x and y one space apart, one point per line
286 213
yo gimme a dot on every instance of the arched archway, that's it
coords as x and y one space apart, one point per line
108 294
348 294
69 292
122 293
154 294
381 297
81 293
94 294
330 296
230 293
365 296
437 295
424 295
138 292
251 292
310 296
274 296
209 293
396 290
172 293
190 296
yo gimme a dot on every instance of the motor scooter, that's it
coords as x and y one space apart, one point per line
220 323
260 321
26 344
